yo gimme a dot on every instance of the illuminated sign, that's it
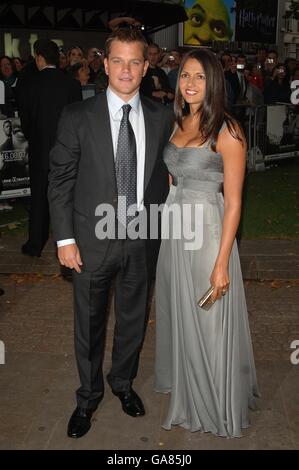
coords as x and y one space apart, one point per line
11 44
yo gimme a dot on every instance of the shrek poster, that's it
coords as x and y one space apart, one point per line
208 21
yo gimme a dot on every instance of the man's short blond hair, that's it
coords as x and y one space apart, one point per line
126 35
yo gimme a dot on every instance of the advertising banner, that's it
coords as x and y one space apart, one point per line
282 130
14 171
208 21
256 21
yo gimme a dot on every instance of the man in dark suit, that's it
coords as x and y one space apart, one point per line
43 97
92 163
155 83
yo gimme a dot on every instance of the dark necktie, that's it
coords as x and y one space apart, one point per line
126 166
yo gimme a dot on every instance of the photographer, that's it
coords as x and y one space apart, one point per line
239 86
155 83
174 60
270 64
96 69
277 89
241 65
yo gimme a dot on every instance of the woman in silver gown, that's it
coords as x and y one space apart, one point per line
204 359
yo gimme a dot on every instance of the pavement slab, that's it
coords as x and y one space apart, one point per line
39 377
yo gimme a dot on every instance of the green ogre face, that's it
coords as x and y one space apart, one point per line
208 20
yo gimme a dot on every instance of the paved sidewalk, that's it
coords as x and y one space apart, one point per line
38 380
260 259
270 259
13 261
39 377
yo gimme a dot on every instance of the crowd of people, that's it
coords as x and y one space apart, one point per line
162 114
249 79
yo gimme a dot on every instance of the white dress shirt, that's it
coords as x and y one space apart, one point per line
136 118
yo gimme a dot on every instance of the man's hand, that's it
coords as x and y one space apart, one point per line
69 256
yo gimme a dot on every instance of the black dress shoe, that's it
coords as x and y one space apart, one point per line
26 250
131 403
80 424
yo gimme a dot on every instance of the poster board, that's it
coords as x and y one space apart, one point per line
282 132
14 169
256 20
211 21
208 21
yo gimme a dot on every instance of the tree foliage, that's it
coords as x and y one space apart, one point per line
293 11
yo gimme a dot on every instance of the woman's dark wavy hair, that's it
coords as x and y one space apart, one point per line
213 109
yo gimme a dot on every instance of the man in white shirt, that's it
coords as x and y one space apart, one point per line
87 172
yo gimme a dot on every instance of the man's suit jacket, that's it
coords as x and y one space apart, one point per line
235 84
82 172
46 94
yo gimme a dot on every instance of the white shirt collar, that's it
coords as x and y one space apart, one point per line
115 103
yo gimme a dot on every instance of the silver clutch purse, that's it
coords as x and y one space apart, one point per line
205 301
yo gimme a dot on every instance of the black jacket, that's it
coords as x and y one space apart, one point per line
82 172
44 97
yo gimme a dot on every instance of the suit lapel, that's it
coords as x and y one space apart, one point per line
99 124
152 131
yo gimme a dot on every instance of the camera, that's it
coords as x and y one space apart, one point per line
270 61
240 66
259 66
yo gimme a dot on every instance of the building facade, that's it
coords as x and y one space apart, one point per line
288 34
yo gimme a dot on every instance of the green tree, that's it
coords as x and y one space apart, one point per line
293 11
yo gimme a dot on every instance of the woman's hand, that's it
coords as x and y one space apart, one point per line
233 151
220 281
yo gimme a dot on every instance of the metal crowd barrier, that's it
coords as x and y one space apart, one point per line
272 133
